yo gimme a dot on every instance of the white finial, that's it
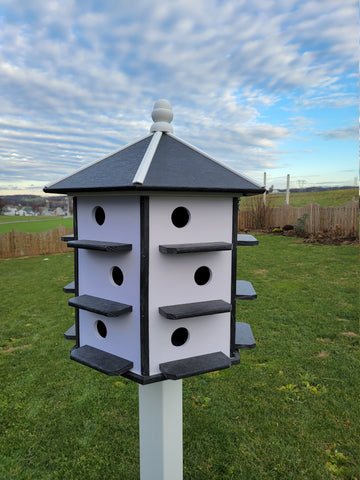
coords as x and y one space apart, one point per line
162 116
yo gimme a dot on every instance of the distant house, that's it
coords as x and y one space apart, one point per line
45 211
10 210
59 212
25 212
29 211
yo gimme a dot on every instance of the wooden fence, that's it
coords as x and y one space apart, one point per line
342 221
19 244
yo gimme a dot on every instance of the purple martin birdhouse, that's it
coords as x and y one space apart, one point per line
155 242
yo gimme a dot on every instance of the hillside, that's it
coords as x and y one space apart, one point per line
31 200
327 198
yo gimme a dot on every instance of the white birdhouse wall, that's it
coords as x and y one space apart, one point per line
112 276
187 278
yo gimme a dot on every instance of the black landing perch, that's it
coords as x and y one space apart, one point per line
244 338
175 249
111 247
70 334
188 367
245 240
108 308
197 309
244 290
67 238
102 361
69 288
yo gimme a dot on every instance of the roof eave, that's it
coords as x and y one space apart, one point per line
138 187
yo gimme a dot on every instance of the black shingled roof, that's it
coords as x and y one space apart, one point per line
175 166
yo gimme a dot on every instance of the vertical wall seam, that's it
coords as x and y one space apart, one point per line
144 284
234 274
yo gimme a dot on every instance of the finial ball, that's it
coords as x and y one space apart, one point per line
162 116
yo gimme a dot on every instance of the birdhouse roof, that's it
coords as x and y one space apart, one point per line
158 162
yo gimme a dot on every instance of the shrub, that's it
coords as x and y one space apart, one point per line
259 211
300 225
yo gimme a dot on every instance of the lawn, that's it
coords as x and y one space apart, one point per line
32 224
288 411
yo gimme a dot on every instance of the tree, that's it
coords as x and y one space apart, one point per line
2 206
35 208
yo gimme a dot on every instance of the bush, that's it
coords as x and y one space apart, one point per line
300 225
259 211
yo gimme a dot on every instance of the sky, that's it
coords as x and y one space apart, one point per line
262 85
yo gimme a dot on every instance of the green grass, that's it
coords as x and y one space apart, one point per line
18 218
288 411
32 224
327 198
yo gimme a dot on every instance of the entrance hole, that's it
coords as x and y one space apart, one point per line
179 336
99 215
202 275
101 328
117 275
180 217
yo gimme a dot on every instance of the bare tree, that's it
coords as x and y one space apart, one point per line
2 207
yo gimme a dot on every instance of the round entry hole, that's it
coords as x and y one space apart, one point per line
202 275
117 275
179 336
180 217
101 328
99 215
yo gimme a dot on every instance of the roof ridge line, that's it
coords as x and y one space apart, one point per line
96 161
243 175
145 163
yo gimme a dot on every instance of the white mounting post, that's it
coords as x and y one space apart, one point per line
160 423
287 199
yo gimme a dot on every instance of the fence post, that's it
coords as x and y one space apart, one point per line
311 218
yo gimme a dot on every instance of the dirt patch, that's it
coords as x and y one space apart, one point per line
349 334
12 349
324 340
63 278
261 272
322 355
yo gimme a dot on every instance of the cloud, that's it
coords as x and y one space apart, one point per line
342 133
328 100
80 82
233 44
